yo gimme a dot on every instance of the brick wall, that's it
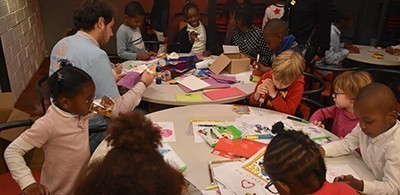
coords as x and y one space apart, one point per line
23 41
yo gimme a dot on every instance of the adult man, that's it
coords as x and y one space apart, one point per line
93 20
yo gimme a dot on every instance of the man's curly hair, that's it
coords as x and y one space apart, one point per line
134 165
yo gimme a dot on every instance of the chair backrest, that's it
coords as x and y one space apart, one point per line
308 107
314 85
41 86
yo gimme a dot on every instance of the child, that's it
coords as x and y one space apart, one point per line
277 38
295 165
274 10
130 45
193 38
346 85
247 36
62 133
281 88
377 136
337 53
134 165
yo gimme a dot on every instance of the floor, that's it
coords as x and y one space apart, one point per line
29 101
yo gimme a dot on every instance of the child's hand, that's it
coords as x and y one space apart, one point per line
261 89
151 53
318 123
206 53
147 78
36 189
271 87
351 181
118 68
142 56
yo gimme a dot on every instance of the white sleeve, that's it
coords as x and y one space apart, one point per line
129 100
344 146
390 182
16 163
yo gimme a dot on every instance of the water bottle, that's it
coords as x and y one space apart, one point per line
158 74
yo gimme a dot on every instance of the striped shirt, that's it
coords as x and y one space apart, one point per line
129 42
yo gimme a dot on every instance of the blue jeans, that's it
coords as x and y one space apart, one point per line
95 139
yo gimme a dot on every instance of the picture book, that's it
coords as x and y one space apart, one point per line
254 165
167 131
208 126
237 148
208 136
230 132
172 158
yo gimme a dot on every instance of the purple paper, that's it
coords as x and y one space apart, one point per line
129 80
224 79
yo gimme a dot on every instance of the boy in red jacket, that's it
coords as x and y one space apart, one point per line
281 88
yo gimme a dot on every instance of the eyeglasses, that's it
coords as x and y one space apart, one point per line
271 188
335 94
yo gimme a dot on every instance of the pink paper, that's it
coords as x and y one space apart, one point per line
224 93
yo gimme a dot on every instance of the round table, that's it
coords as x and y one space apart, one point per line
366 57
197 155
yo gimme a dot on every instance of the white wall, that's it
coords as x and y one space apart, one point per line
23 42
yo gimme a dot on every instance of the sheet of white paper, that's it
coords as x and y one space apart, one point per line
337 170
134 63
193 83
230 49
167 131
237 180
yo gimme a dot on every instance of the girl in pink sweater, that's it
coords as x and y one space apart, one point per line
62 133
346 85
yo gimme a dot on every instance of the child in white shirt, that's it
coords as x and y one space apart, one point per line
378 137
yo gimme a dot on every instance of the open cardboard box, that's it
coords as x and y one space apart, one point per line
9 113
232 63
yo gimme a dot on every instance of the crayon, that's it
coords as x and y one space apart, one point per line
262 136
320 138
212 187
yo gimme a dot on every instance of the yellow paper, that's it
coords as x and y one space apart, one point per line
188 97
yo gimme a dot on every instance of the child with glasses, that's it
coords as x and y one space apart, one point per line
62 133
347 86
378 136
295 166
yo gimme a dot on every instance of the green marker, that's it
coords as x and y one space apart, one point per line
320 138
298 119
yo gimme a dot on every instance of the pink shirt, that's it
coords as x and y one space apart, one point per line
65 141
335 188
343 120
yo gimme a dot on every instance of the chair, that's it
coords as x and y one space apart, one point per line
7 183
314 85
390 77
308 107
41 86
336 71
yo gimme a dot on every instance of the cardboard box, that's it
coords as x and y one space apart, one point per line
9 113
232 63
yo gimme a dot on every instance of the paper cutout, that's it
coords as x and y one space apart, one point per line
167 131
188 97
224 93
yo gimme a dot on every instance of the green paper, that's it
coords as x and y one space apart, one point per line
188 97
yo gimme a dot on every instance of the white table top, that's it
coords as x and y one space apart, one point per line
366 57
197 155
165 93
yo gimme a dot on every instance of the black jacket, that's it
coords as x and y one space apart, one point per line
159 16
185 45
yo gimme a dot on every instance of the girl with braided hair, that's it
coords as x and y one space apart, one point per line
62 133
295 165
